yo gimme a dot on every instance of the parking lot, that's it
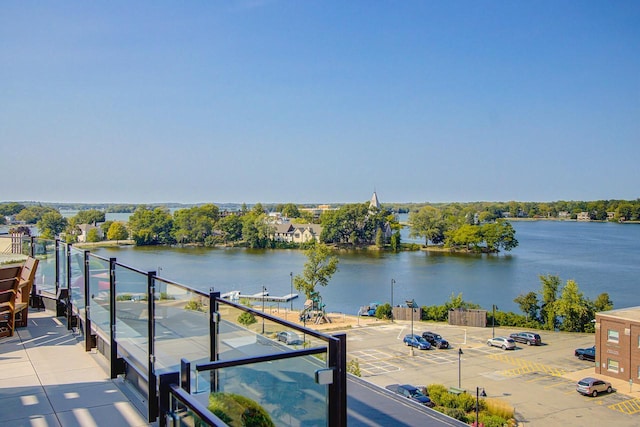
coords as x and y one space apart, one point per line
538 381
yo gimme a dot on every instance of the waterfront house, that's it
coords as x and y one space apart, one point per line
584 216
85 229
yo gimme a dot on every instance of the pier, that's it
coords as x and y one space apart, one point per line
260 296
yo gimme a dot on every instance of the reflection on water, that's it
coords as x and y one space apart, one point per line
600 257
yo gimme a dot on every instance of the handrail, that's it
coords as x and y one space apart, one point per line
218 364
197 408
278 320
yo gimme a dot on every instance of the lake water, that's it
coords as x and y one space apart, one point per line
600 257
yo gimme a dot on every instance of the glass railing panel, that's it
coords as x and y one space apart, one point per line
76 289
45 252
285 389
132 314
247 334
183 411
63 280
182 325
99 292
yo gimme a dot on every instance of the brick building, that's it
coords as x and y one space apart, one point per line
618 343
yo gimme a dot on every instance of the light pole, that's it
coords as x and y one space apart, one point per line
460 353
411 304
393 282
264 290
291 294
478 394
493 322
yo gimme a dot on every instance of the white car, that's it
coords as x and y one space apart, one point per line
502 342
289 337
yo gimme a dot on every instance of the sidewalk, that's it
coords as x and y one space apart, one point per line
620 386
48 379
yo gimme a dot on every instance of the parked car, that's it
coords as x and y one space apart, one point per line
416 341
288 337
528 338
586 353
412 393
502 342
435 340
592 386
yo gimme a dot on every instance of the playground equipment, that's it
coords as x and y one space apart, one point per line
314 310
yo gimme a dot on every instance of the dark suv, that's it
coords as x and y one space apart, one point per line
435 340
528 338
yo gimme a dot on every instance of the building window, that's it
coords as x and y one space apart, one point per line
613 366
638 371
638 340
613 335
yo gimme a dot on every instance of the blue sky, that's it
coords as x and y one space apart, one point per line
319 101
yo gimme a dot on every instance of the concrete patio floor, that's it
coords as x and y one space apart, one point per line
49 380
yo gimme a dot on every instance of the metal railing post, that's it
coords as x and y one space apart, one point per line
338 389
153 395
88 341
214 331
69 290
117 364
166 380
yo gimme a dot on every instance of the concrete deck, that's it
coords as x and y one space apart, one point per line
48 379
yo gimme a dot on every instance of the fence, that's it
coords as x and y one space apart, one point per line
159 335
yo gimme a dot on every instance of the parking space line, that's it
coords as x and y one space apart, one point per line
630 407
525 366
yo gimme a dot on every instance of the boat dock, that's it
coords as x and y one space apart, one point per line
260 296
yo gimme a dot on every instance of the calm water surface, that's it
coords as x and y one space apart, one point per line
601 257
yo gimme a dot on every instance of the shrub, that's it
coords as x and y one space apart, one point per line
383 311
194 305
237 410
489 420
353 367
435 393
499 407
456 413
247 319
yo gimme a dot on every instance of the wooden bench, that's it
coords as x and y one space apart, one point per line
15 286
456 390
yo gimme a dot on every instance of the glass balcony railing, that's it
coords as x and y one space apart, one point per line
223 351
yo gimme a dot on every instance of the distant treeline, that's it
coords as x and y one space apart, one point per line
623 210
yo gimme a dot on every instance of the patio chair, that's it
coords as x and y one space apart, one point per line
25 283
8 291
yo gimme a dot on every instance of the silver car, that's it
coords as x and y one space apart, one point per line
502 342
592 386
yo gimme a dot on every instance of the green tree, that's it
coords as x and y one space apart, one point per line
90 216
466 235
528 305
290 211
11 208
231 227
33 214
499 234
93 235
379 238
151 226
429 223
573 308
602 303
549 292
395 242
117 231
317 271
256 231
51 224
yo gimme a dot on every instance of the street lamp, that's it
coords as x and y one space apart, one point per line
264 290
460 353
393 282
412 305
493 322
478 394
291 294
